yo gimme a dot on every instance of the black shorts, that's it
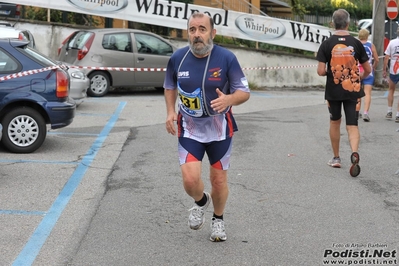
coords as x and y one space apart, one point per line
351 110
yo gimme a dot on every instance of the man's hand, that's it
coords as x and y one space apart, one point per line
221 103
170 123
171 117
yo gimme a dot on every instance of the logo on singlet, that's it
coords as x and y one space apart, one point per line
395 60
183 74
344 67
214 74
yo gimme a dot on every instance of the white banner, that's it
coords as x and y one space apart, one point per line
303 36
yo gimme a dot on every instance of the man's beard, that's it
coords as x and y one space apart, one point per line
201 51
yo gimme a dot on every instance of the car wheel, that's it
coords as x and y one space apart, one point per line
160 89
99 84
24 130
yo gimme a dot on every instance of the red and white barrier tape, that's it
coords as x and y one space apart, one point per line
27 73
122 69
274 68
164 69
35 71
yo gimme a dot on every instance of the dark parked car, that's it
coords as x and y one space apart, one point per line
31 101
9 10
79 81
109 48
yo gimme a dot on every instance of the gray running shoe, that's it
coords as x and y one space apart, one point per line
354 171
196 218
366 118
218 233
389 115
335 162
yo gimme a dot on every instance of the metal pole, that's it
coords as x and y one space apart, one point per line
378 34
390 29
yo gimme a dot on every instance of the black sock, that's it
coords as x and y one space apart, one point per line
202 201
217 216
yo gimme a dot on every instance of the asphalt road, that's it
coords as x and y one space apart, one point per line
107 190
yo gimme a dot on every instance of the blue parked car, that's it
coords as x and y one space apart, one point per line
30 102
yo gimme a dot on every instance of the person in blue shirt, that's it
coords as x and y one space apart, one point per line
368 81
207 81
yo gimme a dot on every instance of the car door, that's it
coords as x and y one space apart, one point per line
117 52
152 52
71 47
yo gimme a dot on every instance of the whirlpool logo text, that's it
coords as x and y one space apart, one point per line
260 28
100 6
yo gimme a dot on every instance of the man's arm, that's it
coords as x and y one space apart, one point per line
366 70
170 99
321 69
171 117
384 70
375 56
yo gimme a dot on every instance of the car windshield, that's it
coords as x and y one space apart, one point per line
42 59
79 39
361 23
151 45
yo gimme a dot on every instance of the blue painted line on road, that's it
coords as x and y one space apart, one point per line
91 114
71 133
38 238
107 100
18 212
36 161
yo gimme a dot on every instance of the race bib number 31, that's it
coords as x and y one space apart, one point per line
191 103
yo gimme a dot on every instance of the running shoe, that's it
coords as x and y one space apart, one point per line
196 218
335 162
389 115
218 233
355 168
397 119
366 118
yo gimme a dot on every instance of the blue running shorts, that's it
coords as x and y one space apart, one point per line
394 78
218 152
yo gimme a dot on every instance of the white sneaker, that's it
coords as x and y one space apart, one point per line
218 233
335 162
196 218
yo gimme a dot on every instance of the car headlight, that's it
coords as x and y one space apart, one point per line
77 75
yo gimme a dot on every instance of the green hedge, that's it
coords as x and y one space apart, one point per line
361 9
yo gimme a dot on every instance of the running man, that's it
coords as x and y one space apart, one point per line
207 80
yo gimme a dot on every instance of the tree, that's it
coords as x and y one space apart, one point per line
298 9
357 8
41 14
